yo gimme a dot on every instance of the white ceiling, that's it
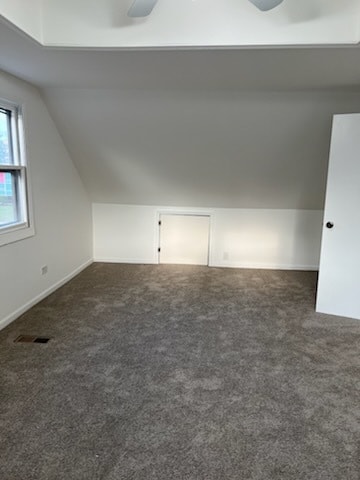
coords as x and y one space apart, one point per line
259 68
25 15
205 149
199 127
94 23
200 23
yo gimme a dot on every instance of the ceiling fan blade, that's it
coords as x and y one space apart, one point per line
265 5
141 8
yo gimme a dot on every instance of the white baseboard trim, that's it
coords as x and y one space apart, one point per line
261 266
13 316
147 261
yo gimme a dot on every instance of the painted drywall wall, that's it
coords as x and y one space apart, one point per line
26 15
211 148
211 22
124 234
62 211
253 238
267 238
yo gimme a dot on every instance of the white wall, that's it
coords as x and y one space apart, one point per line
124 233
25 14
286 239
62 211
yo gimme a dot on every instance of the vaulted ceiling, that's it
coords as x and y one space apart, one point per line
225 127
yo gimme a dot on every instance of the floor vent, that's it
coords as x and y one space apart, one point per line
31 339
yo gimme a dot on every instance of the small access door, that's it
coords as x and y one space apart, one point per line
184 239
339 285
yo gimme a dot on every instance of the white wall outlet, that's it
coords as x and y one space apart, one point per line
44 270
226 256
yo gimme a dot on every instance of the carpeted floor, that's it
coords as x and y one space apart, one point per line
186 373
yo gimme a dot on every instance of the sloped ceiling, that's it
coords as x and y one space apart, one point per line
226 128
209 148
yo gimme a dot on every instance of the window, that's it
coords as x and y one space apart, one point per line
14 202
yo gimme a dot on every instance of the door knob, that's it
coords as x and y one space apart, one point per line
329 225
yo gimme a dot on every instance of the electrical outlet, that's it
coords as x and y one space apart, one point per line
226 256
44 270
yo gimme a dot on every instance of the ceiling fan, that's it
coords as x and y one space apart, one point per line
143 8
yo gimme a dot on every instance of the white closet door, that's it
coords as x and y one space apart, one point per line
184 239
339 276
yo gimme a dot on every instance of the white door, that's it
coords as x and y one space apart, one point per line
184 239
339 276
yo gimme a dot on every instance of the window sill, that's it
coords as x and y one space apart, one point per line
15 234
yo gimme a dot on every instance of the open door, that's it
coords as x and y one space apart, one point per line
184 239
339 276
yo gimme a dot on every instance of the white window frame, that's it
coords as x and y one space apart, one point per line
24 228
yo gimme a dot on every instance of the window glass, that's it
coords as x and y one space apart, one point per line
5 145
8 209
14 201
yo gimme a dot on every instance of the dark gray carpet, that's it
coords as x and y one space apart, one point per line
175 372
